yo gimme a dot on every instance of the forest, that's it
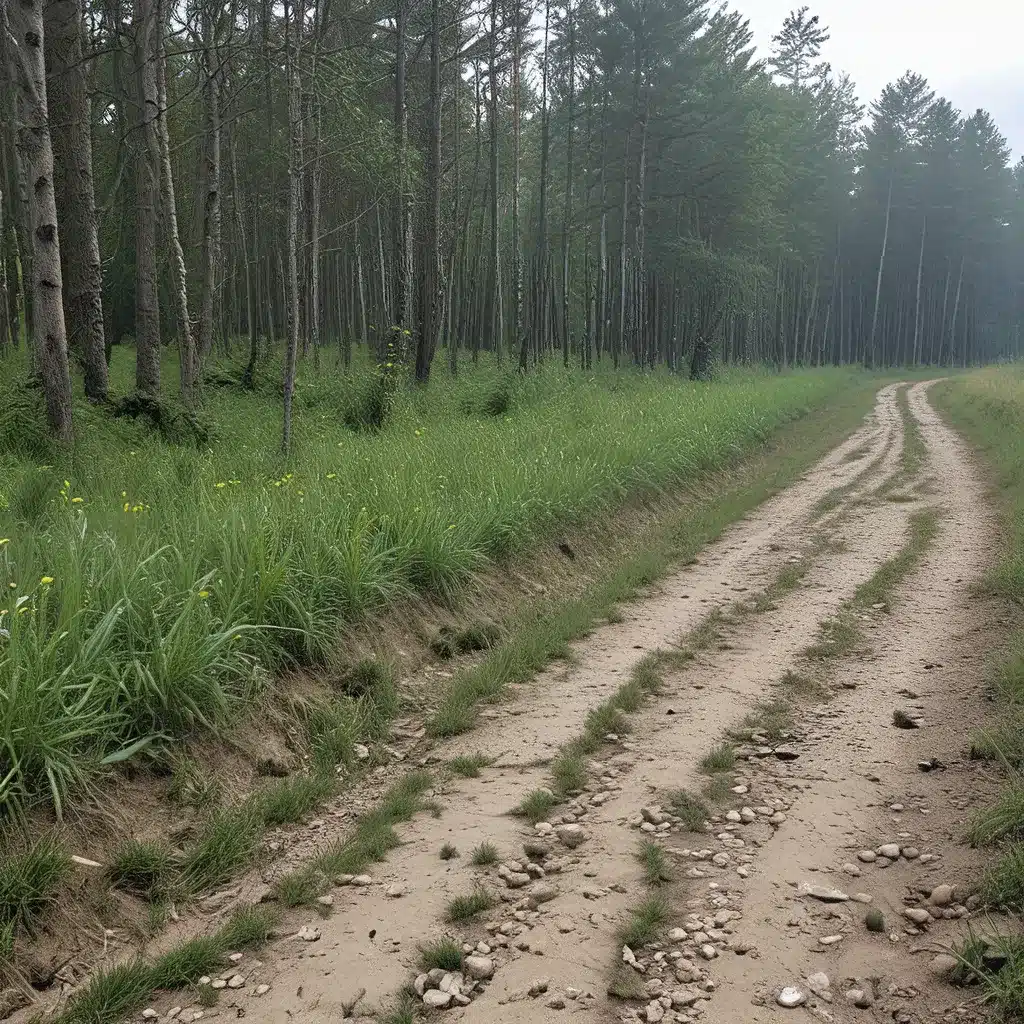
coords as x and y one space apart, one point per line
630 183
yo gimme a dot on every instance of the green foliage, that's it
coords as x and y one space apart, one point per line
485 854
468 766
29 882
464 908
654 862
536 806
690 809
141 868
477 636
444 953
721 759
645 921
182 575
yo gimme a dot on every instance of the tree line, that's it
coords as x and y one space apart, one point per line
626 182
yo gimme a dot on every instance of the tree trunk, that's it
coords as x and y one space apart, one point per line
519 337
48 331
147 306
211 196
569 170
188 362
878 281
294 195
492 84
76 203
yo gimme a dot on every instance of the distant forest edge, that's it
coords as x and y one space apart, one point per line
627 182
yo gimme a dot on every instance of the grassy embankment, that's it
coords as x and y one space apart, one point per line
987 407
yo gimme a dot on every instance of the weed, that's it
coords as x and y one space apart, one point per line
191 785
535 806
465 908
839 636
141 868
568 773
29 882
290 800
800 685
773 719
718 789
228 843
1003 820
468 766
1003 883
645 921
606 718
403 1010
449 852
444 953
207 996
690 809
626 984
655 863
484 855
721 759
614 616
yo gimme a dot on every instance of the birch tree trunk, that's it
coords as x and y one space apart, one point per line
48 331
147 307
294 189
211 180
76 203
188 363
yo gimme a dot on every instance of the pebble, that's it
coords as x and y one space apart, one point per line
555 1003
571 835
889 850
917 914
236 981
860 998
395 891
480 968
825 893
708 951
262 990
943 964
677 935
362 880
867 856
911 852
173 1012
942 896
149 1013
830 940
852 870
790 997
818 982
539 987
308 933
654 1012
219 983
436 999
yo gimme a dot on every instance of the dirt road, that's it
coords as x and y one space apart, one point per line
813 794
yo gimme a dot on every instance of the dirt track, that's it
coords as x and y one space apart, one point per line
854 784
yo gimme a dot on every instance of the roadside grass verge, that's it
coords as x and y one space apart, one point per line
543 634
114 994
175 577
461 909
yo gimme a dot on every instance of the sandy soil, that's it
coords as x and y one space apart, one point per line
851 783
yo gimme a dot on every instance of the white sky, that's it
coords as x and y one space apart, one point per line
973 54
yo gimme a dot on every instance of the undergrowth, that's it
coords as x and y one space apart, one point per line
174 577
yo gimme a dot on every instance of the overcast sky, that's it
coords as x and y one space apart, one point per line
971 53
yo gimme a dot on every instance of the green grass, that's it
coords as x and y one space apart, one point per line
690 809
837 637
464 908
773 718
111 995
484 855
373 839
444 953
654 862
718 789
536 806
449 851
720 759
228 843
141 868
477 636
645 921
30 880
290 800
468 766
173 570
1002 885
879 588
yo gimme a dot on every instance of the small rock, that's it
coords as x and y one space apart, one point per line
308 933
790 997
538 987
786 753
652 815
361 751
395 891
544 893
942 896
910 852
852 870
517 879
918 915
889 850
708 952
654 1012
435 999
867 856
262 990
325 901
677 935
556 1003
943 964
565 925
236 981
219 983
874 921
860 998
149 1013
480 968
571 835
362 880
824 893
830 940
818 982
173 1012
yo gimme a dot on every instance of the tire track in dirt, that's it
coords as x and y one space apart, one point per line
371 940
549 711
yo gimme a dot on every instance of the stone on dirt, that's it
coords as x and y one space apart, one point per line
943 964
539 987
861 998
571 835
435 999
479 968
790 997
867 856
308 933
918 915
889 850
941 896
825 893
819 982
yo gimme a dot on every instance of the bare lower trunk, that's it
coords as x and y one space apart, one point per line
189 363
48 331
76 204
878 282
147 308
211 198
294 188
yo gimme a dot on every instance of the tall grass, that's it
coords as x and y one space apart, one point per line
151 586
988 407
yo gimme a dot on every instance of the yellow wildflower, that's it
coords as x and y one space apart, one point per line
218 486
4 540
203 595
127 506
76 501
46 580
